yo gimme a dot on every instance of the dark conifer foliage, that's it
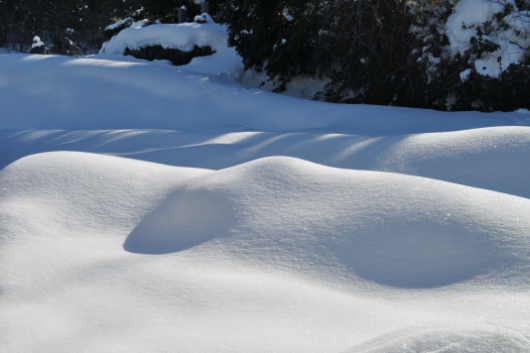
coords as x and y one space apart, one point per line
59 22
371 48
387 52
279 37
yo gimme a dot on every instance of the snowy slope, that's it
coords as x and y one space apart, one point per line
273 255
52 92
152 208
491 158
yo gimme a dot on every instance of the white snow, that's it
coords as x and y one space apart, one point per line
183 36
37 42
151 208
471 14
117 24
465 74
286 14
518 21
199 18
522 111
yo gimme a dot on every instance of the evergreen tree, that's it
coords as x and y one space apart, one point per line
279 37
4 25
371 43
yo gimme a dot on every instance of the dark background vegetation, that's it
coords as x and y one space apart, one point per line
386 52
53 20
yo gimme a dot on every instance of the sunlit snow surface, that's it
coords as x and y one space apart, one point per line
266 223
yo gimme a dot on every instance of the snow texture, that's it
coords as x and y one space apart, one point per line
182 36
151 208
470 14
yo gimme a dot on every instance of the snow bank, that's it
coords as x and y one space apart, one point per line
490 158
184 37
103 93
278 254
493 158
425 248
326 216
462 340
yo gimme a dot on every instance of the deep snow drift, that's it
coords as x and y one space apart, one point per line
151 208
278 254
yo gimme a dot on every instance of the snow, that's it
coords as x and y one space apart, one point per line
37 42
183 36
522 111
471 14
465 74
126 93
117 24
148 207
287 16
201 18
519 21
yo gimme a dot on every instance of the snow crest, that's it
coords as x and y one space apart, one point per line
184 37
256 255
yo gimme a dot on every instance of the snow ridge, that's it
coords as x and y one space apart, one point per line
150 208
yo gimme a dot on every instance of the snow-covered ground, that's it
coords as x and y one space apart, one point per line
152 208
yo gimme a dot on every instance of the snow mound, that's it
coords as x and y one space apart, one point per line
392 229
67 190
496 159
277 254
184 37
490 158
103 93
447 340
